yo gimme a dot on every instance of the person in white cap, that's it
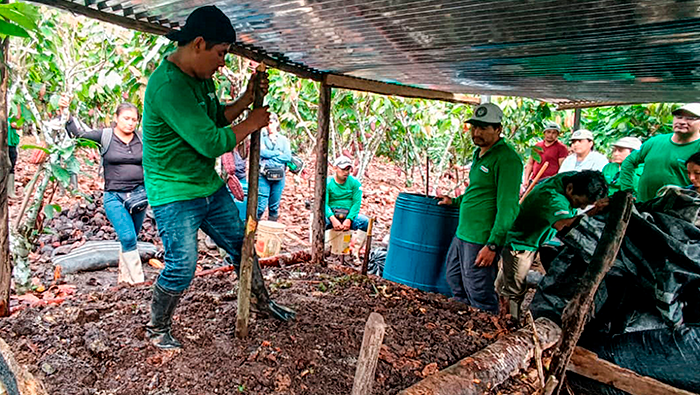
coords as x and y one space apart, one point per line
664 156
621 150
344 198
583 158
486 211
551 151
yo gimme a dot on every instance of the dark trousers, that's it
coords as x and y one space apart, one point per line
13 157
470 284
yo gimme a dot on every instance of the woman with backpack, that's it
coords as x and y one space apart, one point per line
125 199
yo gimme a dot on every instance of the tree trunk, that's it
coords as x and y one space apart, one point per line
488 368
318 226
5 263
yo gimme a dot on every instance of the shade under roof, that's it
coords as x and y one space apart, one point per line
576 50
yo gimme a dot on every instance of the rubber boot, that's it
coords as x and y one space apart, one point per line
11 186
263 302
163 306
130 269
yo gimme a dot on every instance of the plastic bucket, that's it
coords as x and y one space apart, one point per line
421 233
339 241
268 238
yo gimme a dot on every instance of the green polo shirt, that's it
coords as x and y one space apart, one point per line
611 172
12 136
489 205
184 131
545 205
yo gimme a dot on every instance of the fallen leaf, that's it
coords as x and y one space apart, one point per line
429 369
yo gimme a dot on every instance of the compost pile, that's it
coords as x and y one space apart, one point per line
95 343
647 309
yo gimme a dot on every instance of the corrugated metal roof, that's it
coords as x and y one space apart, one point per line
578 50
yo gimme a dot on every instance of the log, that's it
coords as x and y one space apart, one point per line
587 364
248 250
318 227
368 246
485 369
369 353
14 378
579 307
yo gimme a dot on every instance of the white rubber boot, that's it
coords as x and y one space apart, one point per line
11 186
130 269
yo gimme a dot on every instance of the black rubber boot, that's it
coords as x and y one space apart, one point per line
163 306
263 302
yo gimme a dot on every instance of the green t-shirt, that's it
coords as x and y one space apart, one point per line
664 164
611 172
184 131
347 196
12 136
545 205
489 205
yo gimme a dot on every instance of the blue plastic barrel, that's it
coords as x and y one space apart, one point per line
421 232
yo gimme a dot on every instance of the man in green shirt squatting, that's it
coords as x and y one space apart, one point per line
550 207
486 211
185 129
621 150
343 199
664 156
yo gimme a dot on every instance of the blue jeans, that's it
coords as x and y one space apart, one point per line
126 225
360 222
470 284
269 197
178 223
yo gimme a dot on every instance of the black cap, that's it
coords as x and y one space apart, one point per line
209 22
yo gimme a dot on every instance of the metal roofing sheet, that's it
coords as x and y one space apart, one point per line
579 50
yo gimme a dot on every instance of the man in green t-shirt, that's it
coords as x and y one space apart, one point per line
664 155
550 207
621 150
486 211
12 141
185 129
344 198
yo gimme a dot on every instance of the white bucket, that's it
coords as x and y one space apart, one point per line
268 238
339 241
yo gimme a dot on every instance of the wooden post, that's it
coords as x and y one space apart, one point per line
577 311
248 252
577 119
5 264
318 227
368 246
369 353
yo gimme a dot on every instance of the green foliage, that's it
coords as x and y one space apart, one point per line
18 19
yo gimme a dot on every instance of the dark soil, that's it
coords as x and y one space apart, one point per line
94 343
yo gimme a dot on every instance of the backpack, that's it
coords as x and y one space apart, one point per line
106 140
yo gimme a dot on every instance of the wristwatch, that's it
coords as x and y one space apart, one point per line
492 246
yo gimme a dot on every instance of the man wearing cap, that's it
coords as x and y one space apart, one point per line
621 150
185 129
664 156
583 158
486 212
550 150
344 198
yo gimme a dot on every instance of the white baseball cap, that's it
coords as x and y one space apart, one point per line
582 134
552 126
632 143
342 162
487 113
693 108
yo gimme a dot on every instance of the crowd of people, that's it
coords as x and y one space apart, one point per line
171 165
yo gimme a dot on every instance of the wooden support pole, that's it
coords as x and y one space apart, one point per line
5 264
369 353
248 252
587 364
368 246
534 182
577 119
318 227
485 369
576 313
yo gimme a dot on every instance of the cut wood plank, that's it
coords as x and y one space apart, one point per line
587 364
577 311
491 366
369 353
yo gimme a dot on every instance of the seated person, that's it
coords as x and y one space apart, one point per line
693 166
343 199
549 208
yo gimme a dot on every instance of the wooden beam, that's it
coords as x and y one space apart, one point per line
587 364
318 227
119 20
300 71
383 88
578 309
